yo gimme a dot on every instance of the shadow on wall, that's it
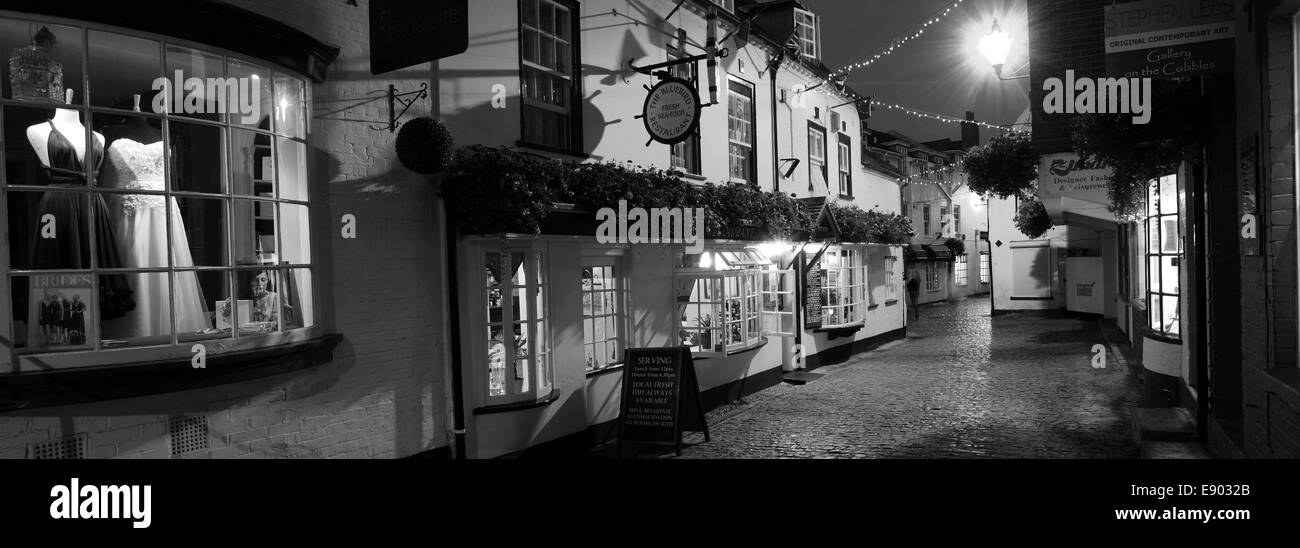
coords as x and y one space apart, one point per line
485 124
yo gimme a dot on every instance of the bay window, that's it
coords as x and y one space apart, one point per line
1164 255
844 286
515 318
142 224
731 301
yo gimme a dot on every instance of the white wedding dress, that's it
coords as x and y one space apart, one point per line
141 229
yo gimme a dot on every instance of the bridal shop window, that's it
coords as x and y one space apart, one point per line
156 193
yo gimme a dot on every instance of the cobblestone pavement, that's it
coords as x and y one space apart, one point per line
963 385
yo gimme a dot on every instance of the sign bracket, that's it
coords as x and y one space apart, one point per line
405 99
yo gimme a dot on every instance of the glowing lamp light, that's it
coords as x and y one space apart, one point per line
996 47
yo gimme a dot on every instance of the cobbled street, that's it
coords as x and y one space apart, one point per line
962 385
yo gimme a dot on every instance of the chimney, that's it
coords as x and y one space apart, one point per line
970 133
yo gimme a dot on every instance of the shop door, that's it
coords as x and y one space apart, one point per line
1085 286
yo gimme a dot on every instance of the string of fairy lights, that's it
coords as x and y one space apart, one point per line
958 167
895 44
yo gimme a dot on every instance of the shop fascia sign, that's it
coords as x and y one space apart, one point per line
1068 175
1169 38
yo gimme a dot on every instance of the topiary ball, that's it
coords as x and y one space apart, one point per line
424 146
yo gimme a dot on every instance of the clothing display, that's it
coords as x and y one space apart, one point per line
140 224
71 249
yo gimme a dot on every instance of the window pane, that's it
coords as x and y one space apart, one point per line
295 232
547 20
51 230
1169 315
198 232
123 70
253 230
139 228
215 295
261 289
547 57
196 67
45 71
529 10
151 322
530 45
252 169
291 161
289 104
1169 195
562 30
496 361
1153 274
297 299
1169 274
253 78
197 158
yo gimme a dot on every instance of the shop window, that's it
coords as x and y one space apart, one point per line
844 286
816 157
932 276
986 268
731 301
1164 256
959 270
686 154
602 314
517 321
549 61
846 165
740 131
139 221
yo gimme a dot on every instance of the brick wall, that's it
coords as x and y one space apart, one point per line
383 395
1063 35
1266 103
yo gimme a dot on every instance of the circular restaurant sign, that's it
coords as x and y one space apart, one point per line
672 111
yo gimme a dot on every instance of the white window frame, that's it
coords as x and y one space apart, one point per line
845 160
956 220
892 280
806 22
986 268
1158 226
844 275
729 5
764 298
12 360
932 277
613 314
816 156
960 270
733 97
537 380
573 61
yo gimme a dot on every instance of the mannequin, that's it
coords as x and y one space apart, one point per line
140 226
60 145
68 124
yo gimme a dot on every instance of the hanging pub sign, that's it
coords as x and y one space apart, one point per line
1166 39
405 33
672 111
661 398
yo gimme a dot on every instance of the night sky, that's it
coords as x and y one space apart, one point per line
940 72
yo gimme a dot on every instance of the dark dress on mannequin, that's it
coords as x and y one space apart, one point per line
71 249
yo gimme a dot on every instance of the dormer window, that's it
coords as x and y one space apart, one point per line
807 32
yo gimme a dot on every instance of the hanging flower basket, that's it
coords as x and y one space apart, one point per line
425 146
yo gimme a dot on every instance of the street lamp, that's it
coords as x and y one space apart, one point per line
996 47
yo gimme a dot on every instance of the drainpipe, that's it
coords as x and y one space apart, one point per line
453 291
776 162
